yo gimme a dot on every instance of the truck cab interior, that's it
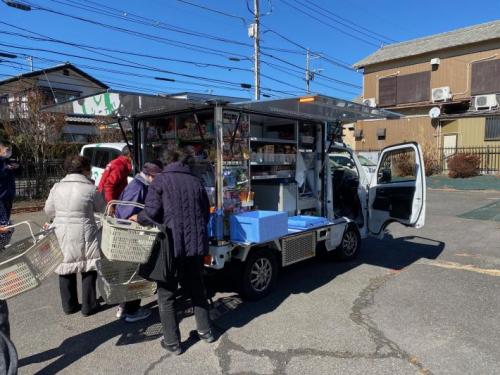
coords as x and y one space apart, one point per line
345 184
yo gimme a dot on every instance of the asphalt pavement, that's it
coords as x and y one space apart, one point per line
418 302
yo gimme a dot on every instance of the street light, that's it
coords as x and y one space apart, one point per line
17 5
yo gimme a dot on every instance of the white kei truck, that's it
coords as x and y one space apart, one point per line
276 196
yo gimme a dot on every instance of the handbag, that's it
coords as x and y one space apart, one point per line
161 265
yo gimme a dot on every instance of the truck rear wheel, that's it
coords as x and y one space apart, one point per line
349 247
259 274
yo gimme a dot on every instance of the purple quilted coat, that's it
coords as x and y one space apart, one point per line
178 199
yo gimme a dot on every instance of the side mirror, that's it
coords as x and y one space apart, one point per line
384 175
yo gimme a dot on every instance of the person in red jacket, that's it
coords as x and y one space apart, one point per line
114 178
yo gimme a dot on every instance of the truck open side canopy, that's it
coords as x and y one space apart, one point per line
114 104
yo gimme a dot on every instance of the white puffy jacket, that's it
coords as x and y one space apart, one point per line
72 203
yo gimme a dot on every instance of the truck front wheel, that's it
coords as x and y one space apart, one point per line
260 273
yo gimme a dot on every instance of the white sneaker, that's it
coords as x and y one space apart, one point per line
120 312
139 315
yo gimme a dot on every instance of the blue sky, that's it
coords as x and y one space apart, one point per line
217 39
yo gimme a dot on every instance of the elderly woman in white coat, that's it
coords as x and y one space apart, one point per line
72 203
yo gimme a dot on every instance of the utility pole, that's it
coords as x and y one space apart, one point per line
256 46
308 72
30 60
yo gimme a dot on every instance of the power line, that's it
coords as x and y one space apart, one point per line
137 65
321 75
354 27
159 39
128 61
322 55
215 11
80 45
134 18
328 24
289 72
232 85
137 19
352 23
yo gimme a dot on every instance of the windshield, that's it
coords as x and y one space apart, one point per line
365 162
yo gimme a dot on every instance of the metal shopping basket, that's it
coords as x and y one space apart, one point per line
118 282
24 264
125 240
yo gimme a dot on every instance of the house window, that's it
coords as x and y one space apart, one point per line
387 90
413 88
492 129
58 95
403 89
485 77
381 134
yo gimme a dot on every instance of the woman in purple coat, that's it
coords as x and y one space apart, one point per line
177 199
136 191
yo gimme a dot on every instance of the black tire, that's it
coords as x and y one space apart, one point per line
260 272
350 245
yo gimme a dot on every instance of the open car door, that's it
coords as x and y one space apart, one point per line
397 191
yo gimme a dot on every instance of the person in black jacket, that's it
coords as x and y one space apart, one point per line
7 187
177 199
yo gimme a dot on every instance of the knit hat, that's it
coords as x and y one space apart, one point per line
152 168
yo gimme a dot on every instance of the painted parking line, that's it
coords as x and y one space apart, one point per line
462 267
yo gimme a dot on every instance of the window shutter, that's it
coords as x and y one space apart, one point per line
414 88
485 77
387 91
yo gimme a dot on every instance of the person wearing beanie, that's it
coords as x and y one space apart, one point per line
136 191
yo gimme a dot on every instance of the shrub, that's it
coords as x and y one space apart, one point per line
464 165
431 160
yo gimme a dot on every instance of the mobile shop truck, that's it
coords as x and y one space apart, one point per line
276 197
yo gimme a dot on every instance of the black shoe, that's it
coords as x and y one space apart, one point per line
207 336
174 348
92 311
73 310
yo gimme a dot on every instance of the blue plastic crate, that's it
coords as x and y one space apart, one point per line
258 226
306 222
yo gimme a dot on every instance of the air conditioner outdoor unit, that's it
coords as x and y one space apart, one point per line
485 101
441 94
370 102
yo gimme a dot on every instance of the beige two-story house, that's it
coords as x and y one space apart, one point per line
447 86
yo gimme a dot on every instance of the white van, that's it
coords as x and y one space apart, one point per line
100 154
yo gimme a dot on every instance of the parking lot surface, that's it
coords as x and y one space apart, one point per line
418 302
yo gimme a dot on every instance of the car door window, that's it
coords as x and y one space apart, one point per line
89 154
398 166
102 158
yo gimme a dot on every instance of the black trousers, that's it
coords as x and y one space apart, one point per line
191 280
69 293
4 318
